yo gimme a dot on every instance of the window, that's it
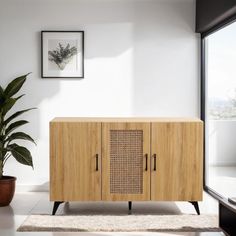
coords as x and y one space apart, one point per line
220 111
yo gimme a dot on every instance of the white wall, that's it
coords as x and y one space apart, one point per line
221 142
141 59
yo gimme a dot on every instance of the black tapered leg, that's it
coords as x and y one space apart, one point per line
195 204
130 207
55 207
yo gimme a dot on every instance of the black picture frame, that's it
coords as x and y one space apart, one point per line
44 54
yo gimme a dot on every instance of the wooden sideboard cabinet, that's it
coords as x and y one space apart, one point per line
126 159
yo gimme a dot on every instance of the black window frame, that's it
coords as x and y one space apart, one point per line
220 26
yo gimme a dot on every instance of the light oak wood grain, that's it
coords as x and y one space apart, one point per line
124 119
106 195
179 151
73 149
74 143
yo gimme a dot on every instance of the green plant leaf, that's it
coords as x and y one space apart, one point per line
20 135
2 97
18 113
21 154
8 104
20 97
14 126
14 86
1 91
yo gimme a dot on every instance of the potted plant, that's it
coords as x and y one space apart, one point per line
8 137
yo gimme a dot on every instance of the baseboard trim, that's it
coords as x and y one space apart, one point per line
32 188
222 164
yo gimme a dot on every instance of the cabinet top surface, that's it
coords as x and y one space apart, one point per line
123 119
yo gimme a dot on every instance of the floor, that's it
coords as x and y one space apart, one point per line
38 203
220 178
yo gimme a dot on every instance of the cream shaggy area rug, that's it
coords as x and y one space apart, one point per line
91 223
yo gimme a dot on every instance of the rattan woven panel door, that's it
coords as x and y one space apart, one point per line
177 161
75 161
125 161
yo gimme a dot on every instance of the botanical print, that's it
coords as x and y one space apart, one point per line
62 54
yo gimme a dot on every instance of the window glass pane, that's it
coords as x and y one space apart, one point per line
221 111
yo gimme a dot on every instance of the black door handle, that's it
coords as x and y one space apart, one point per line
96 162
146 159
155 162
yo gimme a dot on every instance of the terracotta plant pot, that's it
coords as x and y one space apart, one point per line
7 190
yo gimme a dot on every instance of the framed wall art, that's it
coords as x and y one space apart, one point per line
62 54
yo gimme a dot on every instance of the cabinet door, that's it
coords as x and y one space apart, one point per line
75 161
177 159
125 161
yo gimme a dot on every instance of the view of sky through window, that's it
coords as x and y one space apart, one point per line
221 73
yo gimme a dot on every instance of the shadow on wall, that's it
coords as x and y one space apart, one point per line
27 59
167 84
155 31
140 60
